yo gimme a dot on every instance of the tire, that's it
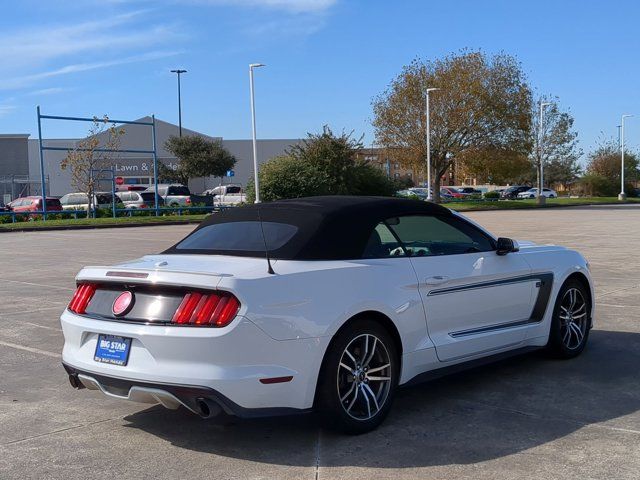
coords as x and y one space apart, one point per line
570 325
349 398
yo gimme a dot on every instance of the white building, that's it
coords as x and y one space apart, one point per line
20 159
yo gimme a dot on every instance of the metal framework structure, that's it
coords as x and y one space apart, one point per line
43 148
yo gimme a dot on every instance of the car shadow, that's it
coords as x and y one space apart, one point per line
478 415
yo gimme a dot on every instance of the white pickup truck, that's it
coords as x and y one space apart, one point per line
226 195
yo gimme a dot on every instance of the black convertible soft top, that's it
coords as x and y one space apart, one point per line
326 228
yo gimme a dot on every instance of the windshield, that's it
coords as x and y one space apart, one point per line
239 236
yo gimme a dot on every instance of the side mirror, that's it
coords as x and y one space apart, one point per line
506 245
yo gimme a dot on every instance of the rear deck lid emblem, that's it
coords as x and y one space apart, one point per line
122 304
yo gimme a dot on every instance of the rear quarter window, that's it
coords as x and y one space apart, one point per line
239 236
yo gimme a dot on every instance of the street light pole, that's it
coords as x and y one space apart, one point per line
429 196
179 72
622 196
256 182
541 197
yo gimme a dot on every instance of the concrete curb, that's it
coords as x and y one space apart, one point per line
27 228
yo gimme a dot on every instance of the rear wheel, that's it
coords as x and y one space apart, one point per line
571 321
358 378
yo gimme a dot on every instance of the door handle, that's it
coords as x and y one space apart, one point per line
436 280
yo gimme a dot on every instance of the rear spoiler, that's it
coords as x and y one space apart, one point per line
105 274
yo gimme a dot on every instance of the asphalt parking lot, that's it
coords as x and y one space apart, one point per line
526 418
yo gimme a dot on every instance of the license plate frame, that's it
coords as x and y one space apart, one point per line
112 349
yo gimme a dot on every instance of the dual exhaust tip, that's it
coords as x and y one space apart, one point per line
203 406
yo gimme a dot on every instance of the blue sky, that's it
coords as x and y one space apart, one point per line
326 59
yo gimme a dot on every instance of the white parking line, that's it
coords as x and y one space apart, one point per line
58 308
42 326
31 349
38 284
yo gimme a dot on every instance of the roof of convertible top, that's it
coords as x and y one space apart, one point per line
328 227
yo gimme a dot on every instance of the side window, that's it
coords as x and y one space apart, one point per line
382 244
424 235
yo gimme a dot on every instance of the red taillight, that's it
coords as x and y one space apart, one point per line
143 205
81 298
207 309
188 201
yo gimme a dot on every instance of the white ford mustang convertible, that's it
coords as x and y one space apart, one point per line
325 303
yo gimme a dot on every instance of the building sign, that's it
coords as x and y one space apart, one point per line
140 167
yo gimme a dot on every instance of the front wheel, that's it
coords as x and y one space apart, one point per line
358 378
571 321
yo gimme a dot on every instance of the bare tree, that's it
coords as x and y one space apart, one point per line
88 158
483 106
555 145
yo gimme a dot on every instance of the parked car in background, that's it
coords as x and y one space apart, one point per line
226 195
174 195
33 204
133 199
469 191
450 192
150 199
533 193
511 193
80 201
409 193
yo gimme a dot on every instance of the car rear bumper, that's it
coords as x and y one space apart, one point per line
234 363
203 401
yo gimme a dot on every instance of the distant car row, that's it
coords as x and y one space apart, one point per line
520 191
170 195
448 193
445 192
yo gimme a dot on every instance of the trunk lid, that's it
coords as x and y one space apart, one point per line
202 271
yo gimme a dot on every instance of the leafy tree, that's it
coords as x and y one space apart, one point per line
496 166
199 157
606 161
554 143
484 105
288 177
604 165
86 160
593 184
404 182
167 174
333 154
322 164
